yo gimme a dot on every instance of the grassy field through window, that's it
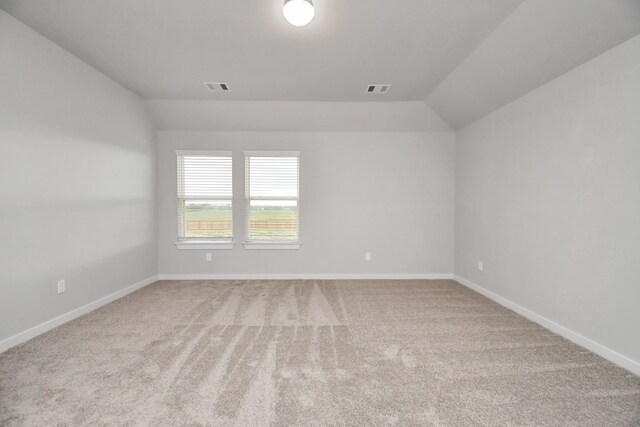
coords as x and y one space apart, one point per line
208 219
215 220
273 223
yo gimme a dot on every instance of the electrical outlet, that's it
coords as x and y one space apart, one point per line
62 286
209 257
367 256
480 266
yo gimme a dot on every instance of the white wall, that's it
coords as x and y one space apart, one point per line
199 115
77 182
548 196
390 193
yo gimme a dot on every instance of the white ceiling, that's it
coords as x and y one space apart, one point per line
540 41
168 48
466 58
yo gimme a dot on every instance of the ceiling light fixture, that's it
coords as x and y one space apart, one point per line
298 12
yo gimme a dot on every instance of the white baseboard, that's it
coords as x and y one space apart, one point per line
321 276
582 341
64 318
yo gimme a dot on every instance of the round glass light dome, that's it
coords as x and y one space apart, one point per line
298 12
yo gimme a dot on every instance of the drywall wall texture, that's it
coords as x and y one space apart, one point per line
390 194
548 196
77 182
199 115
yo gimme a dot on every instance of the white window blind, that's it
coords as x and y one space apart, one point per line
205 195
272 196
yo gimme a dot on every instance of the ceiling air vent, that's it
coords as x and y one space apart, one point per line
378 88
217 87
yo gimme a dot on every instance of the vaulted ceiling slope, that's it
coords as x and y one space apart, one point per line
539 41
168 48
464 58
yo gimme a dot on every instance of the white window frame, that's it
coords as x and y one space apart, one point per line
270 244
191 243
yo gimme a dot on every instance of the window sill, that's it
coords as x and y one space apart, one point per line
203 244
272 245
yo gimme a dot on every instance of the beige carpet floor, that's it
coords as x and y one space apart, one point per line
306 353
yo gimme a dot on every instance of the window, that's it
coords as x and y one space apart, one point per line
272 202
205 200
